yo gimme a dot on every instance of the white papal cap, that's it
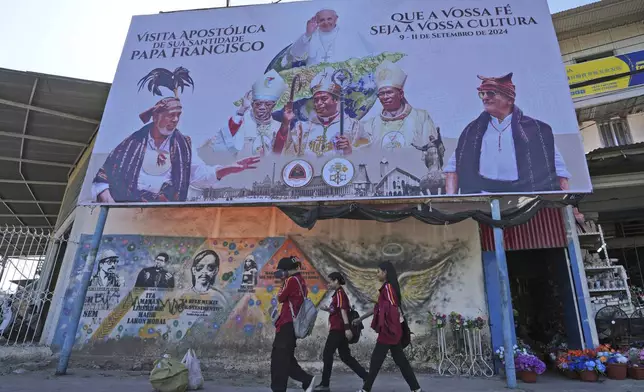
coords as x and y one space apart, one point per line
389 74
269 87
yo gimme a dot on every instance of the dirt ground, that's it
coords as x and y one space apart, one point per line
82 380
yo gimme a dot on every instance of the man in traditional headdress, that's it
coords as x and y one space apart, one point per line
155 164
504 150
399 124
321 135
324 42
253 131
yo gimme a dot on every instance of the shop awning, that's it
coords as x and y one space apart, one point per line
545 230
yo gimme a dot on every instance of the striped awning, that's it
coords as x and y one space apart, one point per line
545 230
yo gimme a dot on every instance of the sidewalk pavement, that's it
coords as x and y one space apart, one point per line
104 381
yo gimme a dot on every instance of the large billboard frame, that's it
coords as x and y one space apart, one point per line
387 70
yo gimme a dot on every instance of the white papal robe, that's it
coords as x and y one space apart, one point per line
330 47
392 133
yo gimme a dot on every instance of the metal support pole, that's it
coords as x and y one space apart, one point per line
506 299
79 301
589 338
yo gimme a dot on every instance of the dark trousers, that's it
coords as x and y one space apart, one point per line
338 341
283 362
378 357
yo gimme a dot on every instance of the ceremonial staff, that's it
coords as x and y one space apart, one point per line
342 78
295 86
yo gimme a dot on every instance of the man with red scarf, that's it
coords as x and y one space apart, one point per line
155 164
503 150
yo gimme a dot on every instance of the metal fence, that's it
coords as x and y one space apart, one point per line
30 260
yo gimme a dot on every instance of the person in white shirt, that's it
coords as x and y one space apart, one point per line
503 150
324 42
253 131
154 164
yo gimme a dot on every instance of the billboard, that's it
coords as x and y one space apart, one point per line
630 65
336 100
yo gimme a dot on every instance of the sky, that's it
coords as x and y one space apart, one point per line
83 38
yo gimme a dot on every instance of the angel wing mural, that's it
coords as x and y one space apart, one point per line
422 268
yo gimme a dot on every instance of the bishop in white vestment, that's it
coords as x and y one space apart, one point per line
322 135
253 131
399 125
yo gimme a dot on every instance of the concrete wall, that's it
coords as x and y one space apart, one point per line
623 39
636 125
592 140
440 267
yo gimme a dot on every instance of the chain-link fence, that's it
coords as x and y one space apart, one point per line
30 260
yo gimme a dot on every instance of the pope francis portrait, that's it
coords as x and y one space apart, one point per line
324 41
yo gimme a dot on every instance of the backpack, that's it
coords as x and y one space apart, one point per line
356 330
304 321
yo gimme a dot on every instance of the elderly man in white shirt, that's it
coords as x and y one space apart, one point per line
155 164
503 150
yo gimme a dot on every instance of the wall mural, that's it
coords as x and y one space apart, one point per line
220 292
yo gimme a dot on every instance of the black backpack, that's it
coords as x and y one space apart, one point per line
356 330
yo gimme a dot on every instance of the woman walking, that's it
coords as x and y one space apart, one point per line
387 322
292 294
339 333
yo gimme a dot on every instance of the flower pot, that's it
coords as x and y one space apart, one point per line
588 376
571 375
616 371
636 373
527 377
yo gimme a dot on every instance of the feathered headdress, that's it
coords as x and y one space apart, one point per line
174 81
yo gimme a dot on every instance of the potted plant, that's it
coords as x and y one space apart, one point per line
616 364
590 369
438 320
636 369
528 366
456 320
567 363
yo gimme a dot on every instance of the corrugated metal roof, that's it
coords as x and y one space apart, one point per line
626 148
46 122
597 16
545 230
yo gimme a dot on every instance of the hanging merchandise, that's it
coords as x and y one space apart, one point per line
195 378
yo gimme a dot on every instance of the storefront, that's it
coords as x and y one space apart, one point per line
548 287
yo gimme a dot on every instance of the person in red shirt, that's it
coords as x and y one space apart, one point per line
387 322
339 333
291 297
